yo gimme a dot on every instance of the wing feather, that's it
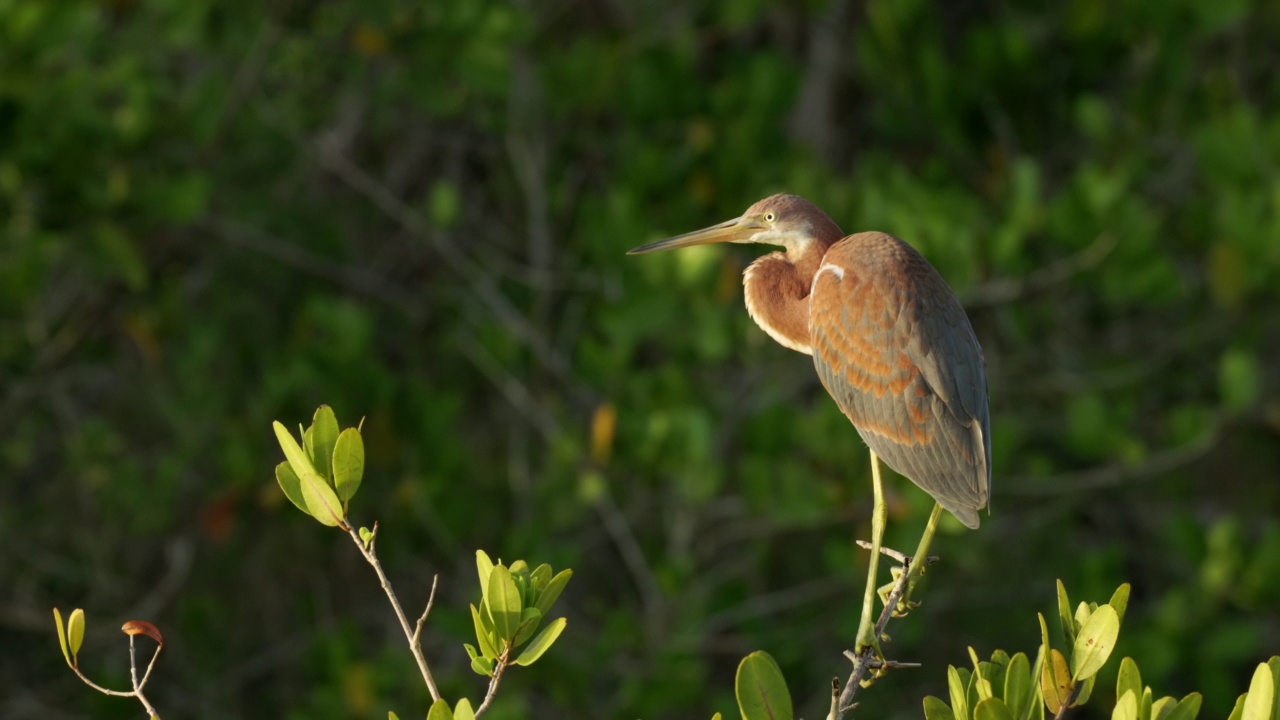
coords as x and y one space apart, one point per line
894 348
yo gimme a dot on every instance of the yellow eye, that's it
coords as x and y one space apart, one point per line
769 217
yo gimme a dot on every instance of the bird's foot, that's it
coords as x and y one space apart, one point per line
868 643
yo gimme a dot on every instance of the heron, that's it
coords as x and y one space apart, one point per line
891 344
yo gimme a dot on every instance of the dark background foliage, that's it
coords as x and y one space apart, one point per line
213 215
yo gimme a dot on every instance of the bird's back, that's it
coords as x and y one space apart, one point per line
894 348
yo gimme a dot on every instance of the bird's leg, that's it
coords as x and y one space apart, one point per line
866 628
921 559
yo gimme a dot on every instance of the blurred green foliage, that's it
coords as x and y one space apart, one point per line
215 214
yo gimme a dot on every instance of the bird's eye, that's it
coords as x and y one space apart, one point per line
769 217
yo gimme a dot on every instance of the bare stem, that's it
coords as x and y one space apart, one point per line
498 668
866 658
411 635
133 673
1071 697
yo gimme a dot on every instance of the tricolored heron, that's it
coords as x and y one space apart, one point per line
891 343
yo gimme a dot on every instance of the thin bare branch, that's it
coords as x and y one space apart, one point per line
415 646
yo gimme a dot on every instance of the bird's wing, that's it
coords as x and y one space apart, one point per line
893 347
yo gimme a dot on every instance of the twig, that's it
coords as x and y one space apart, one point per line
1071 697
133 674
413 636
493 683
894 554
866 660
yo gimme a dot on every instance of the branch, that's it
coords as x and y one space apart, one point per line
493 683
1071 697
133 674
867 660
412 635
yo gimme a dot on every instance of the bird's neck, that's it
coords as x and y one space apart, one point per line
776 289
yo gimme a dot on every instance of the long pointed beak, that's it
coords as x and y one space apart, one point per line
735 230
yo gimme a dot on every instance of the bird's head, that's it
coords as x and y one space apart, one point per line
786 220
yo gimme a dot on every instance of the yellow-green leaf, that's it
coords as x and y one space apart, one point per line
1257 705
484 566
62 636
1017 685
992 708
322 435
291 486
1120 601
1065 618
484 636
936 709
320 499
761 691
551 593
540 642
1055 681
440 711
463 711
1126 707
75 633
503 602
348 463
1186 709
1128 678
958 686
1094 643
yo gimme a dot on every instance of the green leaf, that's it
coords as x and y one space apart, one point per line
291 486
62 636
992 708
320 499
1128 678
463 711
75 633
1065 618
541 577
761 691
958 686
484 566
529 619
366 536
1055 681
1161 708
482 666
1274 665
1096 640
555 586
1120 601
1144 705
541 642
503 602
440 711
982 683
472 652
348 463
392 716
1238 711
717 716
935 709
1035 706
1186 709
323 435
1083 612
1017 685
1126 707
484 634
1258 703
1085 691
